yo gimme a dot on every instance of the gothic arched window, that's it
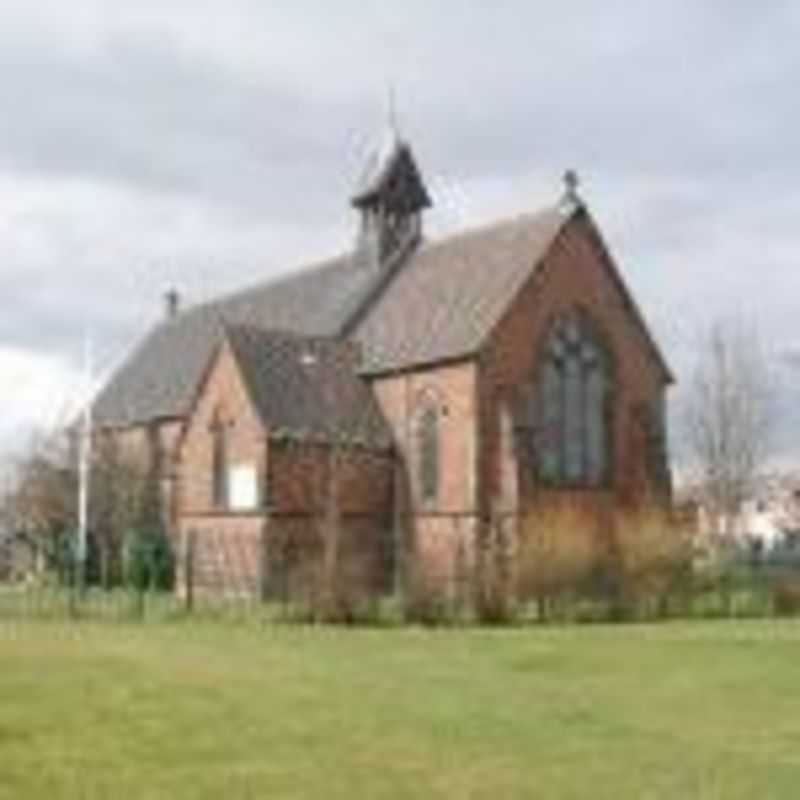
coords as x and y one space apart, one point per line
219 462
573 421
428 450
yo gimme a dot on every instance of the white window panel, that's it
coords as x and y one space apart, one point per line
243 487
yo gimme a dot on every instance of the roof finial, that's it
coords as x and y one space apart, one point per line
571 199
571 183
172 300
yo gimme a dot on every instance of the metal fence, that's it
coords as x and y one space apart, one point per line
292 565
359 568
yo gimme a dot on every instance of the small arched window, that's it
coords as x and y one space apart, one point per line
573 409
428 450
219 462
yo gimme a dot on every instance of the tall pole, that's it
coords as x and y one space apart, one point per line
84 472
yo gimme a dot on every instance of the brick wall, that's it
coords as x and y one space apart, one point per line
435 529
453 388
479 469
573 274
226 553
222 397
226 544
152 450
294 477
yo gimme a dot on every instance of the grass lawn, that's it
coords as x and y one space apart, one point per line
204 710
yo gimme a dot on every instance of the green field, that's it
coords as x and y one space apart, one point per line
205 710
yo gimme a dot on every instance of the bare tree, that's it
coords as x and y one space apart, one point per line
729 416
42 501
41 504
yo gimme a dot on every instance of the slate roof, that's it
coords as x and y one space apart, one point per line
159 378
444 302
447 298
440 302
308 386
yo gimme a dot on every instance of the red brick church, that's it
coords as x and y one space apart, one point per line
429 384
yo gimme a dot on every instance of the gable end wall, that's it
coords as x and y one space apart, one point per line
572 274
223 388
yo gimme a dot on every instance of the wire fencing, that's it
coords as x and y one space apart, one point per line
285 567
373 568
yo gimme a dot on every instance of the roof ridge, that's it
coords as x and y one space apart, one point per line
322 301
319 265
455 303
482 228
330 262
322 264
279 332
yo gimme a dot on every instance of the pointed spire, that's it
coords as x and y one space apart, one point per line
390 195
391 177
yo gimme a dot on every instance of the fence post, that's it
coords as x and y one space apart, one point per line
71 567
188 570
263 567
140 576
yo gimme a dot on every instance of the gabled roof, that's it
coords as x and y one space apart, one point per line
449 296
440 302
160 376
447 299
307 386
630 304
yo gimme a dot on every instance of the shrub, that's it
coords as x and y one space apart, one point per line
650 559
345 593
494 591
149 562
322 573
426 597
786 596
557 553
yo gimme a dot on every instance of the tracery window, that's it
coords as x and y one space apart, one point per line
428 449
573 408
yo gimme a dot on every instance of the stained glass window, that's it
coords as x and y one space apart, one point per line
574 381
219 463
429 451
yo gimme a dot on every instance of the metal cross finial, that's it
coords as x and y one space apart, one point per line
172 301
570 199
571 183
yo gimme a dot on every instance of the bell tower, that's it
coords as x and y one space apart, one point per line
390 197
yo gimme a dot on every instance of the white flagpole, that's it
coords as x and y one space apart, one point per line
84 472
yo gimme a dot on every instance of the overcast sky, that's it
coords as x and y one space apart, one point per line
145 145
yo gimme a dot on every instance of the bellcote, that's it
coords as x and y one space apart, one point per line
391 197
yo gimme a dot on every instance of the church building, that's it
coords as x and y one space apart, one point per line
427 385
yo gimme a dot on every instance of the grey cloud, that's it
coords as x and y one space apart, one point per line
680 116
145 112
790 357
491 91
